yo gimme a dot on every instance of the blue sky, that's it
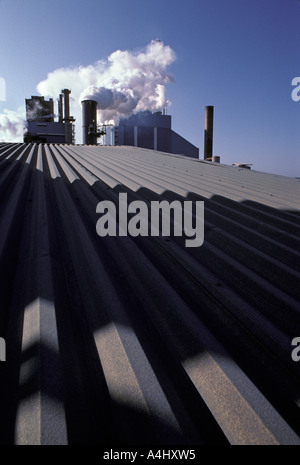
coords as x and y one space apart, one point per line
238 55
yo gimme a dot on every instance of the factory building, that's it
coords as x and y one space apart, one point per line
39 109
144 129
40 123
153 131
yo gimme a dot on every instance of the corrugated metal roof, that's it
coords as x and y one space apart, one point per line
141 340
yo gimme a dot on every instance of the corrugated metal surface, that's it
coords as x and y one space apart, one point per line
140 340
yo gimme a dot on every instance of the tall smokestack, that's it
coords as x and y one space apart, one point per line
208 132
89 122
66 93
60 108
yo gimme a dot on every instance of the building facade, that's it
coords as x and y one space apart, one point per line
40 123
153 131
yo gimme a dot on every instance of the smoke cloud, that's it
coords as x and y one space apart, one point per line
127 82
12 124
33 111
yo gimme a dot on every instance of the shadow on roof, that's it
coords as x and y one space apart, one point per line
122 340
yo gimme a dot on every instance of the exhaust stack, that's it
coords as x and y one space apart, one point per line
208 132
89 122
66 93
60 108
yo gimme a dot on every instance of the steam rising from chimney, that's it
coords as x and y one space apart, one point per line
34 110
127 82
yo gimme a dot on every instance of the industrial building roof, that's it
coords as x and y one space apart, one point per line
141 340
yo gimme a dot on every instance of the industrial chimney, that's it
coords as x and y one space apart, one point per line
89 122
60 108
66 93
208 132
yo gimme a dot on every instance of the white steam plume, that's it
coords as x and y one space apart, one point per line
12 124
127 82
